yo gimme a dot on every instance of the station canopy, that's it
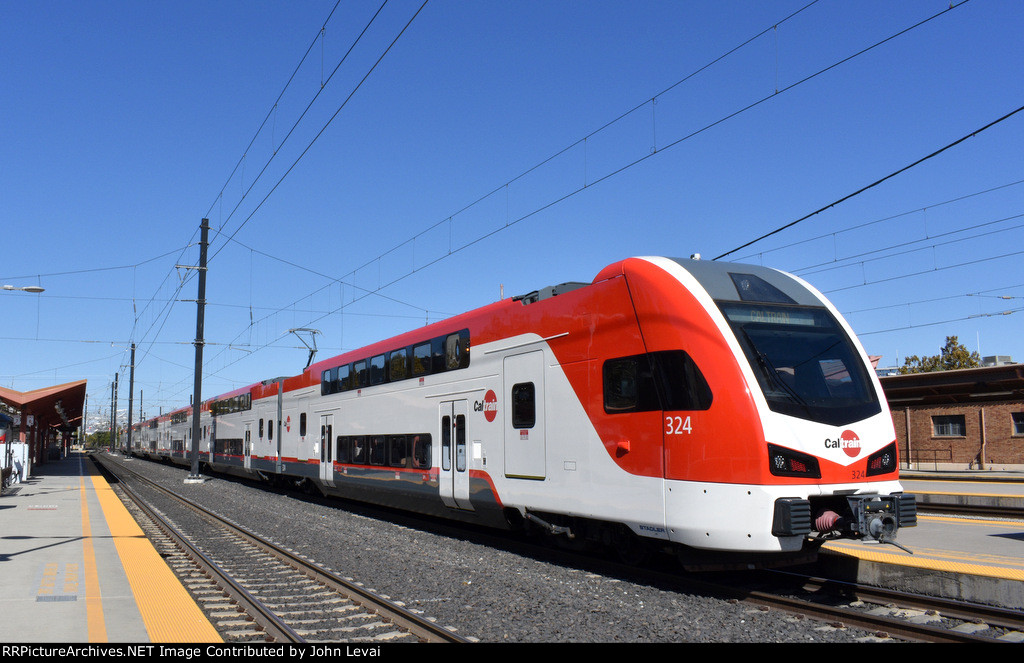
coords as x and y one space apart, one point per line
59 406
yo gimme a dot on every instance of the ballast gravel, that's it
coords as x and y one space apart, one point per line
486 593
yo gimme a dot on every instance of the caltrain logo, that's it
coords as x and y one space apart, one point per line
848 442
489 406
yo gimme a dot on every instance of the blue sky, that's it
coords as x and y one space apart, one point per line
490 150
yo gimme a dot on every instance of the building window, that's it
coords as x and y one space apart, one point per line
949 426
1018 423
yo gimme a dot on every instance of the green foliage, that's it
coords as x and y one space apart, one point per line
97 439
953 356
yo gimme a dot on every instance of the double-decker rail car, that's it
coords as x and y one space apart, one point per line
724 410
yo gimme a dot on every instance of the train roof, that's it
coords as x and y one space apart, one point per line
730 281
724 281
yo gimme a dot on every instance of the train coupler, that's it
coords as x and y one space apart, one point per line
878 517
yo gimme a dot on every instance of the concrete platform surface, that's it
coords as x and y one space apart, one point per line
75 567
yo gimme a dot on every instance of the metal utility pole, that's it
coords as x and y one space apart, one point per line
131 396
197 400
113 414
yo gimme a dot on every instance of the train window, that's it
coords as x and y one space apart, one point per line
755 289
629 385
302 424
342 379
452 352
327 381
398 365
620 385
359 450
378 450
668 380
804 362
398 451
359 376
261 429
421 359
682 385
421 459
437 363
460 442
524 405
377 370
343 450
270 429
456 350
446 443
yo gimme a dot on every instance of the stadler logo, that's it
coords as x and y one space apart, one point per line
848 442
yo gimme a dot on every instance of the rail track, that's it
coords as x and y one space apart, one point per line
885 612
254 590
822 602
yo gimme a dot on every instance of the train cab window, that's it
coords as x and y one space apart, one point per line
629 385
667 380
524 405
342 450
377 370
398 450
421 458
682 385
421 359
302 424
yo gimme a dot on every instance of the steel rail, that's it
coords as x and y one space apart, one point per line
994 616
422 628
274 627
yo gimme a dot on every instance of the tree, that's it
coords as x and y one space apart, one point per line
953 356
98 439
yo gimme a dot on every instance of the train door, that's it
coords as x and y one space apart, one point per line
326 449
247 445
454 473
525 445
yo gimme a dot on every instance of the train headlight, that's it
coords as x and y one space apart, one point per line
883 461
784 462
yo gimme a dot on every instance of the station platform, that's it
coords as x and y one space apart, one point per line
76 568
970 558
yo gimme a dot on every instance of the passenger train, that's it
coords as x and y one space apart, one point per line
724 411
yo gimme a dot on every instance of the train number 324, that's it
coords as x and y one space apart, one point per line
678 426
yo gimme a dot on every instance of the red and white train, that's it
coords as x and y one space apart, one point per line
724 410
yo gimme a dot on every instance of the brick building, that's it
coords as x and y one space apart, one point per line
955 420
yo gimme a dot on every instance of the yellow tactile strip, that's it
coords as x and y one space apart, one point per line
938 560
169 613
96 626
